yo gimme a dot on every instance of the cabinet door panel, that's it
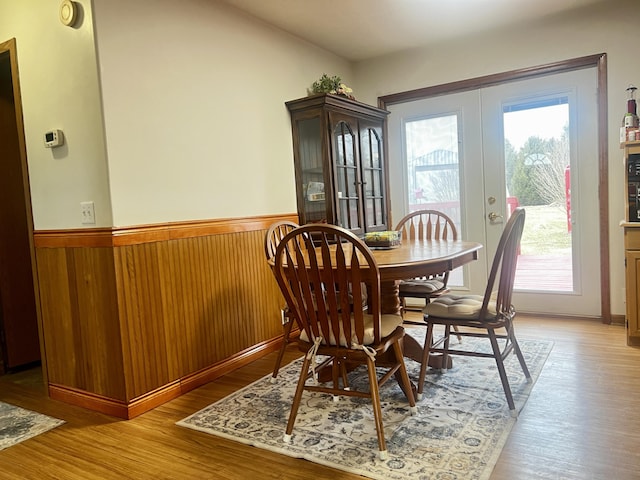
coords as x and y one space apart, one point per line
633 306
348 198
312 199
372 174
347 173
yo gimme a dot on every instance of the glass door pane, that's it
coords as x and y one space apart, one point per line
314 208
347 177
372 177
433 170
537 165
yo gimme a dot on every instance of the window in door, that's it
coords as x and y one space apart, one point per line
537 167
433 175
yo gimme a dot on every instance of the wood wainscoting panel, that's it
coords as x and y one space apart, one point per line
153 311
227 296
80 319
58 316
143 318
191 303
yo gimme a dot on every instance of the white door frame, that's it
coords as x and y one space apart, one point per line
599 61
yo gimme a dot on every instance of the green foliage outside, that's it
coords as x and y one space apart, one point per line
535 173
536 176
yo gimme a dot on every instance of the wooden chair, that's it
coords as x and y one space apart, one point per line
311 275
425 225
482 315
275 234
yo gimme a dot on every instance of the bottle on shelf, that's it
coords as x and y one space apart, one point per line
631 117
629 130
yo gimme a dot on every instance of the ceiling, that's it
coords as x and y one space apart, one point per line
362 29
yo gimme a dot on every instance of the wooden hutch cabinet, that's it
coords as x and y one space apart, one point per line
339 162
631 227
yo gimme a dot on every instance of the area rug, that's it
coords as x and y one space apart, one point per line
18 424
462 424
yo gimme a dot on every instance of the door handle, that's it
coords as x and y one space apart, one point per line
493 216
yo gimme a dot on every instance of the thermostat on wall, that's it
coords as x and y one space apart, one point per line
68 12
53 138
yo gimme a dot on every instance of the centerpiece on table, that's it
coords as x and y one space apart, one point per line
332 85
386 239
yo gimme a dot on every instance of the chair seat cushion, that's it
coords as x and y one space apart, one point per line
421 285
459 306
388 324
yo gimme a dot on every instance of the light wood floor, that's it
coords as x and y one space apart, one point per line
582 421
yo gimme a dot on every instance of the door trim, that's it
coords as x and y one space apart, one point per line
9 47
600 62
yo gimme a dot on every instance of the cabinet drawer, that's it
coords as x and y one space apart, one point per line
632 238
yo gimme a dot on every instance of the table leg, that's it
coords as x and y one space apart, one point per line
390 303
389 299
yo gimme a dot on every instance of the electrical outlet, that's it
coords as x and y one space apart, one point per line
88 212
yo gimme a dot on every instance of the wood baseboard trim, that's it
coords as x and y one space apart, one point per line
206 375
112 407
633 341
88 400
618 319
151 400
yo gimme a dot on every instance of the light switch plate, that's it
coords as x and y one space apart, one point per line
88 212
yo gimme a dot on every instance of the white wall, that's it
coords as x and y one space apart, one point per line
611 28
194 111
194 116
59 89
194 96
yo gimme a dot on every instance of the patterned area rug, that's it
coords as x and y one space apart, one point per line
462 424
18 424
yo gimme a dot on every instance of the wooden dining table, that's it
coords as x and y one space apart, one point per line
415 258
418 258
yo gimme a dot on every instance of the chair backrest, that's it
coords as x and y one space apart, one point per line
275 234
503 269
427 225
312 265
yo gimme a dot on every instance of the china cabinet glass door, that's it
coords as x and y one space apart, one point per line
347 175
312 171
373 188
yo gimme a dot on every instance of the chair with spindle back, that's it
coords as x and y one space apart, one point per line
425 225
481 316
313 265
275 233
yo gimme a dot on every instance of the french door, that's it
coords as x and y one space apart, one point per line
478 154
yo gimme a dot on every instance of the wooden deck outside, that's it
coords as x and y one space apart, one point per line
544 272
537 272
